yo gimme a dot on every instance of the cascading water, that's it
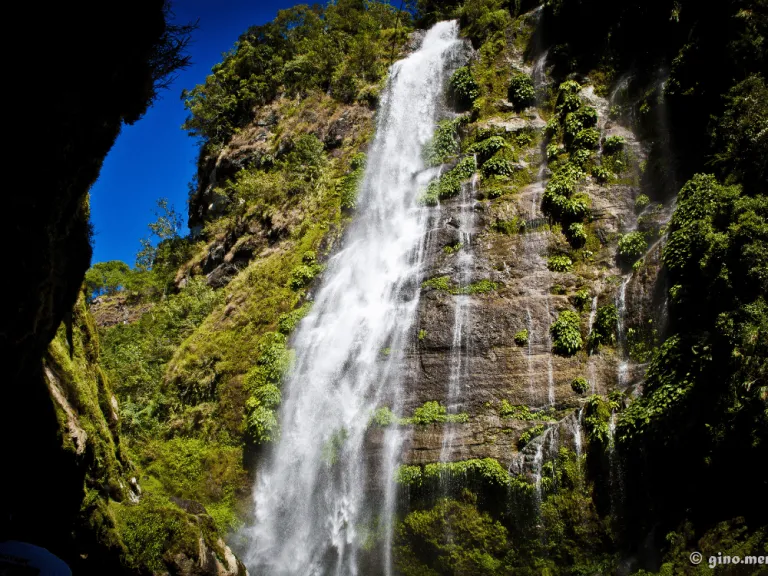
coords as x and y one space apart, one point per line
591 372
317 496
621 307
462 313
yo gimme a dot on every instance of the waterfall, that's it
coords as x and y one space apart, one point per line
576 428
550 366
621 306
591 372
459 378
317 495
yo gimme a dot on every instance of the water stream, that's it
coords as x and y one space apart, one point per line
459 379
318 495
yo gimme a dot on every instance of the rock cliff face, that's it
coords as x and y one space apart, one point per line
542 303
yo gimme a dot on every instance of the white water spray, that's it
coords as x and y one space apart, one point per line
459 379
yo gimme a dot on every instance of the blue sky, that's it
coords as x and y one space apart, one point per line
155 158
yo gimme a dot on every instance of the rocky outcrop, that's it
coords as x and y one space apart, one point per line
104 66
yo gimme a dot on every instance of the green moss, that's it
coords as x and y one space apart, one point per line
333 446
566 333
479 287
153 531
288 321
521 337
422 335
438 283
196 470
453 248
262 382
476 545
488 472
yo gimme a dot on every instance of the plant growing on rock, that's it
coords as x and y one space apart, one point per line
604 328
581 298
433 412
384 417
521 337
613 144
577 234
497 167
559 263
568 97
529 435
488 147
601 174
632 246
521 91
443 145
641 202
580 385
589 139
566 333
464 87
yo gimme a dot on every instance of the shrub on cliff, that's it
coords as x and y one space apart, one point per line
464 88
566 333
521 91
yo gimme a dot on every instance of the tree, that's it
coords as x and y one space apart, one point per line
107 278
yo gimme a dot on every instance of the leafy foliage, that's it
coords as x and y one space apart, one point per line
464 87
521 337
443 145
632 246
559 263
604 327
434 413
613 144
476 543
566 333
580 385
529 435
343 48
521 91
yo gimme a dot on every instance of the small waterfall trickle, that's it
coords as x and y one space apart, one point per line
531 380
591 369
550 363
621 309
311 511
576 429
459 378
